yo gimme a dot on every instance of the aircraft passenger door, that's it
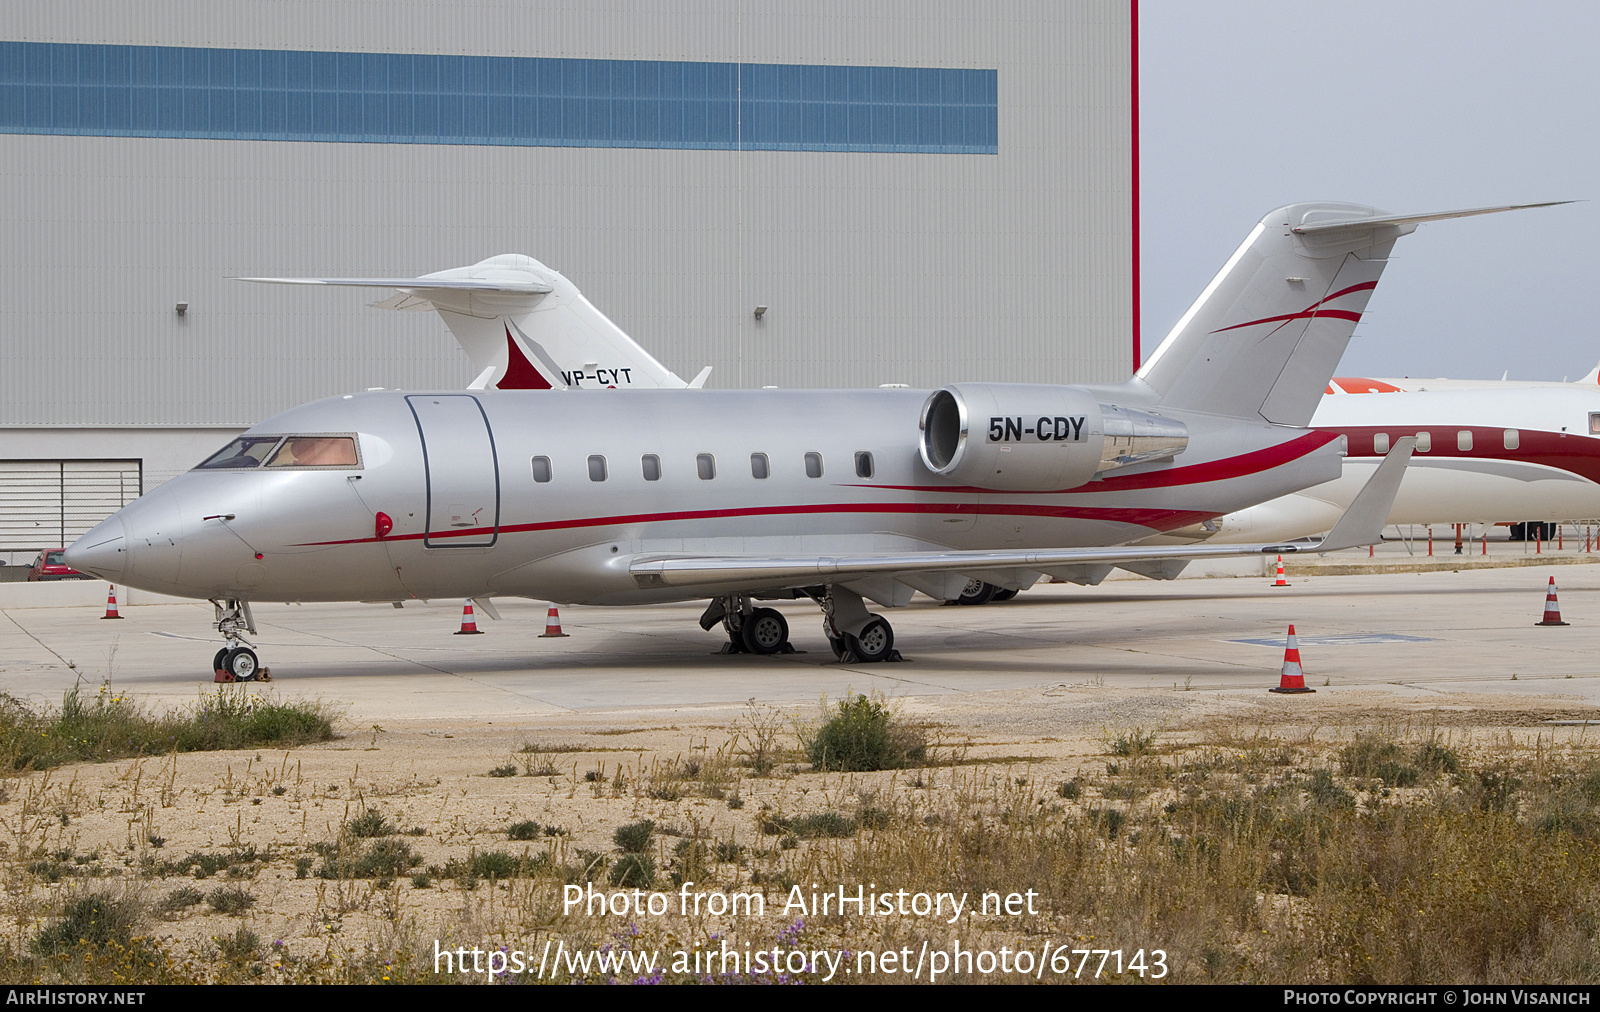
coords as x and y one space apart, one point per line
462 473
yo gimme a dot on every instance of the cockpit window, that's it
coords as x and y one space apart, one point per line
286 451
246 451
315 451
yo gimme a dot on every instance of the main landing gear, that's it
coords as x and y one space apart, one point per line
978 592
855 635
236 662
750 630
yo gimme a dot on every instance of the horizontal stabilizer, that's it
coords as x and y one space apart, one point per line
1355 224
523 323
418 284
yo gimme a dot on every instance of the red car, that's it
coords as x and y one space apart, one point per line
52 565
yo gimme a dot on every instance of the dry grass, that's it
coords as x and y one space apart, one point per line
1383 853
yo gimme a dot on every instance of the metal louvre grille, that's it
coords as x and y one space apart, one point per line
51 503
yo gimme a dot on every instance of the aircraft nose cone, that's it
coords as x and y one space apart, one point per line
102 552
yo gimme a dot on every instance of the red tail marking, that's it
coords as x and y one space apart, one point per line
1313 310
520 373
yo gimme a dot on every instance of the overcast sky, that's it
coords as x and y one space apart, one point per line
1407 106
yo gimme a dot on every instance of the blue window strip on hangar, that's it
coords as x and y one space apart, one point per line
409 98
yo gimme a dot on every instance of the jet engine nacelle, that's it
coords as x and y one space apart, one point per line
1026 438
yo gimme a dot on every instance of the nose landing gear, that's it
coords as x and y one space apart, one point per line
236 662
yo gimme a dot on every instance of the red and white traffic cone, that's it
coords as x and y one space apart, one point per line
1281 582
111 602
1293 678
1552 608
552 624
469 624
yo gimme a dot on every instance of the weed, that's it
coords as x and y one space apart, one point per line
864 734
240 947
823 825
421 881
1070 789
94 921
371 823
526 830
1130 742
112 725
178 901
633 871
230 901
634 838
508 770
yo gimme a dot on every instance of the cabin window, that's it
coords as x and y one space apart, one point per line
759 466
1380 442
651 464
1424 442
541 469
1594 423
863 464
705 465
1464 439
597 467
813 465
1513 439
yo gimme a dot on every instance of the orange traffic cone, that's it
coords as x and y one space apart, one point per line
1293 678
552 624
469 624
1281 581
111 602
1552 608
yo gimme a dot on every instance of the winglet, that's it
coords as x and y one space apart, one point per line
1363 522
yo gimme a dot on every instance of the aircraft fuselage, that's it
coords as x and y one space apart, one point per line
552 495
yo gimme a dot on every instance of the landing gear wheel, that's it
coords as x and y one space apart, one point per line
1004 595
837 644
874 643
977 592
765 631
216 662
241 665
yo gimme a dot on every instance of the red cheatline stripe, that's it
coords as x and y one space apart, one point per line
1313 310
1194 474
1155 519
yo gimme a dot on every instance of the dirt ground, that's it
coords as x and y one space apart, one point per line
453 788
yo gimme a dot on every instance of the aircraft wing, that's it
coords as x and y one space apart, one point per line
1362 524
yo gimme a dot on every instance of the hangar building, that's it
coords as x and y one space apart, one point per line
920 191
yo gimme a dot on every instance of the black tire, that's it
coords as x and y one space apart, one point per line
216 662
977 592
242 664
1004 595
838 646
765 631
874 643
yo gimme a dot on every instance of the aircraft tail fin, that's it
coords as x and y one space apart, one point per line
1265 335
522 325
1592 377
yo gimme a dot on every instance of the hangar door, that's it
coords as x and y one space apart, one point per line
51 503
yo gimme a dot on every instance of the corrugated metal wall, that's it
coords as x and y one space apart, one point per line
876 268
